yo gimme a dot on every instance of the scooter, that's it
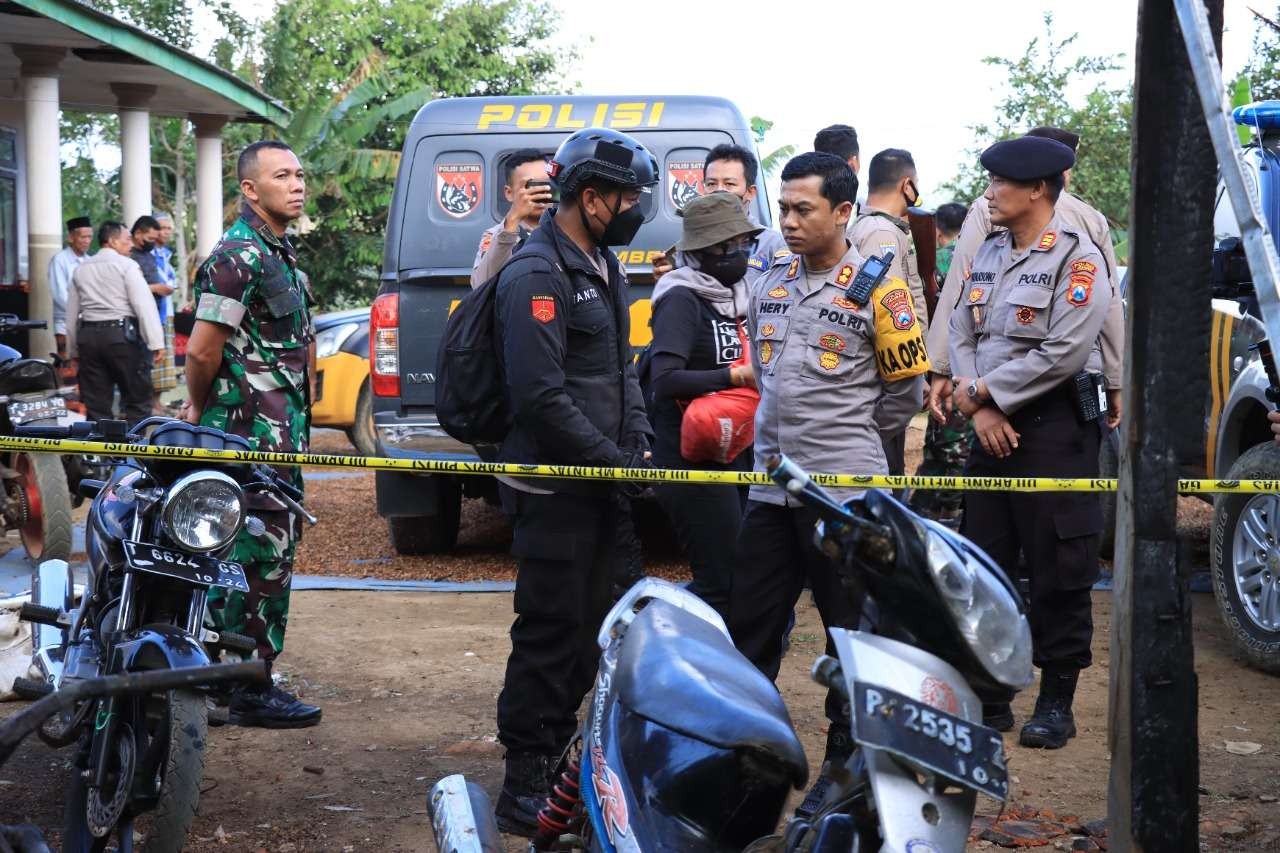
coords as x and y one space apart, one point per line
686 746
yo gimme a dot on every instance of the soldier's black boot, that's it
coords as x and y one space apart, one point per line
524 792
1052 725
998 715
839 748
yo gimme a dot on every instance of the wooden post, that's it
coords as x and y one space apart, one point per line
1154 745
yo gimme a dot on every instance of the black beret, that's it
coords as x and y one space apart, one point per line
78 222
1028 158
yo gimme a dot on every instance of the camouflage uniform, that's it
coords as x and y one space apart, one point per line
250 283
946 446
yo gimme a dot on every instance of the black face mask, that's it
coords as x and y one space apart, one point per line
621 229
148 245
727 269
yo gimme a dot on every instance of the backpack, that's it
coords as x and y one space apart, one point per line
471 393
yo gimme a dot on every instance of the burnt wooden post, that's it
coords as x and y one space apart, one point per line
1155 762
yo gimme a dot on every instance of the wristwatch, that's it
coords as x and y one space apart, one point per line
973 391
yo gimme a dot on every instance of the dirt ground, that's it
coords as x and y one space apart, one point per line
408 683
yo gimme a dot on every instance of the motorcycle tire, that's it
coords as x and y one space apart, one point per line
183 772
46 535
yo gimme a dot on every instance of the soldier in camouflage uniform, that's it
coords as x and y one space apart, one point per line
249 367
946 445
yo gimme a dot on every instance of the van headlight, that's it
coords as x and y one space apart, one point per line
203 510
984 609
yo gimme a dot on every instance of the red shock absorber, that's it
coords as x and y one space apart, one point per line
561 813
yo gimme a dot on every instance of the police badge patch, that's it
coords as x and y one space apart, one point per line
459 188
898 303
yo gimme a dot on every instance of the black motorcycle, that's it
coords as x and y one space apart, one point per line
156 531
36 500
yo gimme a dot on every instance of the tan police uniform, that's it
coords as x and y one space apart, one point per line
496 245
834 376
1027 324
875 232
977 225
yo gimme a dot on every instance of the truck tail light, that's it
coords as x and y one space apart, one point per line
384 345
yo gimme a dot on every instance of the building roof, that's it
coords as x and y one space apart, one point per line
102 51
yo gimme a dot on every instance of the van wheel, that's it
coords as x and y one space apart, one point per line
1109 468
1245 560
430 534
361 433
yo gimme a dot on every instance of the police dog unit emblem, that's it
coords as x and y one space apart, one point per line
459 188
898 303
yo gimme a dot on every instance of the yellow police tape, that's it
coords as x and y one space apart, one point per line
586 472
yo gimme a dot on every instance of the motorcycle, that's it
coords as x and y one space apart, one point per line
686 746
36 499
157 530
25 838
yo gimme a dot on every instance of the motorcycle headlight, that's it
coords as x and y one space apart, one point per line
329 341
984 609
203 510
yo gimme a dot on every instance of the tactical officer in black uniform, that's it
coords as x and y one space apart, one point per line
564 324
1027 370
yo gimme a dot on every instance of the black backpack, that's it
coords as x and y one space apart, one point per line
471 392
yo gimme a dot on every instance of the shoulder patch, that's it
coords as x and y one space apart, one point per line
899 343
756 263
486 241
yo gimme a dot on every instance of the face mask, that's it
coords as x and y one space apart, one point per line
148 245
727 269
622 228
910 201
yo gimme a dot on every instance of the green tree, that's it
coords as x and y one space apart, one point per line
775 159
1036 94
354 73
1262 72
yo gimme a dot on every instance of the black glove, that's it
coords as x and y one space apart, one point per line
633 453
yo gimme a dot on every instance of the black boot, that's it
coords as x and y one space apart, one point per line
1052 725
998 715
270 708
524 792
839 748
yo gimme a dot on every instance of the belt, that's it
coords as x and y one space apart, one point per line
105 324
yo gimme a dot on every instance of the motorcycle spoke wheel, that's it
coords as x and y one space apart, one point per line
102 815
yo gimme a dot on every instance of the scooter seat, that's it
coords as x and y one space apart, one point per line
680 672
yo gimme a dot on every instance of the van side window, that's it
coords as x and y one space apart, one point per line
500 204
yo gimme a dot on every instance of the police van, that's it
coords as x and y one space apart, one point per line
449 190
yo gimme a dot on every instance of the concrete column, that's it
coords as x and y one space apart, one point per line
135 149
209 219
39 92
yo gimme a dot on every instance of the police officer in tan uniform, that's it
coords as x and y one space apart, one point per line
528 191
881 227
834 376
1027 368
977 225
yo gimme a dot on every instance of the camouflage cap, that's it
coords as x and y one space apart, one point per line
712 219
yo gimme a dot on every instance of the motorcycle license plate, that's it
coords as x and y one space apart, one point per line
192 568
967 753
25 411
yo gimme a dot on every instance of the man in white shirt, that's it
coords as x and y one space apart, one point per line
61 266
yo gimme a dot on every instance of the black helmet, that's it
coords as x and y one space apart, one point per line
608 155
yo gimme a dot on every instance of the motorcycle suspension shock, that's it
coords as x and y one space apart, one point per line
562 812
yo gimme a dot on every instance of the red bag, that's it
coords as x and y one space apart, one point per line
716 427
